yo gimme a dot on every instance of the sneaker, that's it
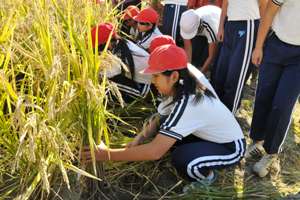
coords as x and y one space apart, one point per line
254 150
263 167
200 183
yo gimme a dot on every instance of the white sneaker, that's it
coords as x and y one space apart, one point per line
254 150
264 165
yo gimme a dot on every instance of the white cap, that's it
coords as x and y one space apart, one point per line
189 24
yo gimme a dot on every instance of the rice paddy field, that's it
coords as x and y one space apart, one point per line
52 103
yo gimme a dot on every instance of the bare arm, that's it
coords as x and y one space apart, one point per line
212 47
222 20
151 151
262 7
188 49
150 128
264 27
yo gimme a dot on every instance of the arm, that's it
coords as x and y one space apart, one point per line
191 4
264 27
262 7
212 47
222 20
150 151
188 49
150 128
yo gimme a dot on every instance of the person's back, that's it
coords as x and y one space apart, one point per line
140 59
210 15
214 122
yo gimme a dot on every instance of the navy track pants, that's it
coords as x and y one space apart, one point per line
277 92
234 62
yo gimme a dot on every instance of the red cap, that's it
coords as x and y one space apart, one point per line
130 12
166 57
161 40
147 15
104 31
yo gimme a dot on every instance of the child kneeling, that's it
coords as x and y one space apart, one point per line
205 134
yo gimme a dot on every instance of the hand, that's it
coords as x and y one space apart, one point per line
134 142
220 35
204 70
101 153
257 56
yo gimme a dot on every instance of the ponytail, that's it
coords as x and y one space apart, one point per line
187 85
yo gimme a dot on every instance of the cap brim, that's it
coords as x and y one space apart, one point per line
188 36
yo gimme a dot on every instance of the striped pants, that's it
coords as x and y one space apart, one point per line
234 63
194 160
276 95
171 18
130 89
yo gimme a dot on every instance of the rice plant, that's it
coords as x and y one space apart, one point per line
51 100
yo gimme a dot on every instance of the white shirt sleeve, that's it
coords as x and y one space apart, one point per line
209 33
278 2
181 121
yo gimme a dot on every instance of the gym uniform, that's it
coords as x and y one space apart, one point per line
139 86
147 38
210 18
234 62
171 17
211 140
279 78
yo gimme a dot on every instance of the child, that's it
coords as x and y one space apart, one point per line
234 66
129 26
279 81
132 84
159 41
194 24
147 20
204 132
196 73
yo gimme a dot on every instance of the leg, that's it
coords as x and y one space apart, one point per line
284 101
169 13
213 69
222 63
128 88
200 50
195 160
177 37
269 75
239 66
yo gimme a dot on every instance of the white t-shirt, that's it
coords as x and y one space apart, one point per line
210 18
208 119
243 10
140 59
286 23
145 42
